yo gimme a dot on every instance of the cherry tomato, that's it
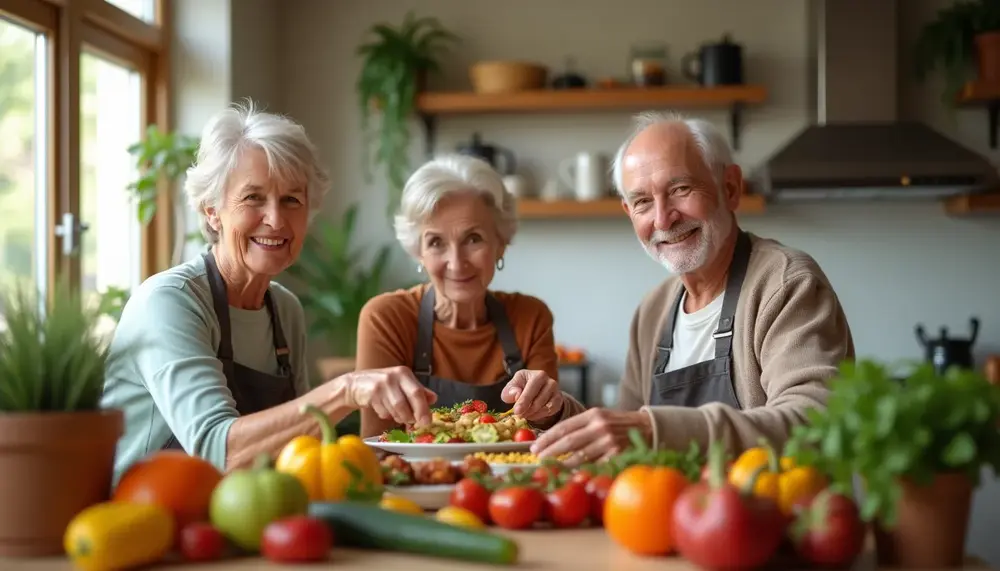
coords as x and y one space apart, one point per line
296 539
567 506
487 419
424 439
516 507
479 406
470 495
545 473
524 435
597 488
200 541
581 477
456 440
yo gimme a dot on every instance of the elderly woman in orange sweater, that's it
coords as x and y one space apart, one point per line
454 335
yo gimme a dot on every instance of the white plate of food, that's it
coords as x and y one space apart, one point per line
427 497
456 432
428 483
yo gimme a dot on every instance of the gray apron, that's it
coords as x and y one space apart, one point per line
252 390
451 392
708 381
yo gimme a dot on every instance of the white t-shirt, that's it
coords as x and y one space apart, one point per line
693 342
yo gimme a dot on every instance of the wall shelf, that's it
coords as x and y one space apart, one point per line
971 204
604 208
431 105
988 95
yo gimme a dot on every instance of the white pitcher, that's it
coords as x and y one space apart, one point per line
586 174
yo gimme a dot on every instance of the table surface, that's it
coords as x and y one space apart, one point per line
589 549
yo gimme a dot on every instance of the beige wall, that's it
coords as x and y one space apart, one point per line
893 265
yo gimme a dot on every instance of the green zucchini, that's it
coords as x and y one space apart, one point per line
367 526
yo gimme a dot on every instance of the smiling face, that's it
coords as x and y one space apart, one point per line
460 246
261 221
680 214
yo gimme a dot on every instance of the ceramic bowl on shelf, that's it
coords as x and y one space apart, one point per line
505 76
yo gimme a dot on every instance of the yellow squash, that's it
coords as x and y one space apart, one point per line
112 536
331 466
779 478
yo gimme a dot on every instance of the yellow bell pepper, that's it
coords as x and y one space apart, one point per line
118 535
779 478
331 467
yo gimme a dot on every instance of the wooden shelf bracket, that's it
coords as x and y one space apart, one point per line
735 123
993 121
429 121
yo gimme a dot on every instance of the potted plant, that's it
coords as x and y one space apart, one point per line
57 445
960 36
918 446
395 66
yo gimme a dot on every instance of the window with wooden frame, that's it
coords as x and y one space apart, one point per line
80 81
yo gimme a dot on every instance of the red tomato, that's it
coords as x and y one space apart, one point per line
567 506
471 495
543 474
456 440
581 477
597 490
479 406
200 541
524 435
424 439
829 532
296 539
173 480
516 507
487 419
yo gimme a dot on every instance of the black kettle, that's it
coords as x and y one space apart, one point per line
715 64
945 352
490 154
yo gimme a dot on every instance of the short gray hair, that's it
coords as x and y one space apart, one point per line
714 148
445 175
290 156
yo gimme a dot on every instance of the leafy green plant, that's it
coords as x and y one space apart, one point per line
395 65
113 301
51 359
159 155
886 430
947 42
335 283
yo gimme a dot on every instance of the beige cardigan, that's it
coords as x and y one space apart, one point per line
789 338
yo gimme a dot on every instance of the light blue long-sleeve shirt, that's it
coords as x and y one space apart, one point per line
163 372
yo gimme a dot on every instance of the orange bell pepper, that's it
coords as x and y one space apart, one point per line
331 468
779 478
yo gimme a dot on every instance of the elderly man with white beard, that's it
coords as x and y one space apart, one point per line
740 341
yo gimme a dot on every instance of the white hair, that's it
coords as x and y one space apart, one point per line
445 175
290 154
710 142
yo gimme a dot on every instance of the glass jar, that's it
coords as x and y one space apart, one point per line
648 64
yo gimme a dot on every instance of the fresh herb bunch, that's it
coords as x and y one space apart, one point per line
51 360
886 430
688 462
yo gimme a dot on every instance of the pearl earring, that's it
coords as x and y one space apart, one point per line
420 269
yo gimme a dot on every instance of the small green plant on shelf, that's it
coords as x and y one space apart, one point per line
395 66
884 430
948 42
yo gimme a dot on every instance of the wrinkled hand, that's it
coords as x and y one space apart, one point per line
591 436
535 395
393 393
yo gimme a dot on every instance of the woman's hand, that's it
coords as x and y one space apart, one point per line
535 395
393 393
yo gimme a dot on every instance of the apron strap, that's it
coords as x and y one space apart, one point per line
281 351
513 361
666 343
424 351
221 303
734 283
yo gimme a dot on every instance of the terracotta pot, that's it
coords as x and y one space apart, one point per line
988 57
53 465
931 525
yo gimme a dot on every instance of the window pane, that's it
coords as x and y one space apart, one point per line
23 198
110 119
142 9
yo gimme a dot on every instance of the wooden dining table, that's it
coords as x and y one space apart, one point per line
558 550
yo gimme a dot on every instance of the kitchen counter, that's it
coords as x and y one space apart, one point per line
589 549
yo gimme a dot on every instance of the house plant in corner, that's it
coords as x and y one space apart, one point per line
395 66
918 445
57 445
962 37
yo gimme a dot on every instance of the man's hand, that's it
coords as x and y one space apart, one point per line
535 395
594 435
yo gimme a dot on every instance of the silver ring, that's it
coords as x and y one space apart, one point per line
548 404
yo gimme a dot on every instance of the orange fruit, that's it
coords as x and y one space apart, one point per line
639 508
174 480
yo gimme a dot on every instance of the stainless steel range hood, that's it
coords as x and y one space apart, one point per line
857 149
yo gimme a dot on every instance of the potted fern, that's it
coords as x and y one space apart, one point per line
961 36
395 66
57 445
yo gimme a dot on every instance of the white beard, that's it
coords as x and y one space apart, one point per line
689 257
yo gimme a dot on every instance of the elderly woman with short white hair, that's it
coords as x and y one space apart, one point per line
468 344
210 356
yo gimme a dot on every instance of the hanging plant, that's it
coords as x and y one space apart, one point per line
396 64
948 43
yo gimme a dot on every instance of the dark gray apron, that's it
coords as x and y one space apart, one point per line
450 392
252 390
708 381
